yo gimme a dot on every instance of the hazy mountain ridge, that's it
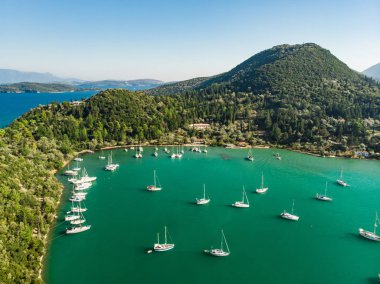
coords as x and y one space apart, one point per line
373 71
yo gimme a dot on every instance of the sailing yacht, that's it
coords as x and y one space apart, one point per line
262 189
70 172
203 200
242 204
138 154
179 154
250 155
154 187
75 198
290 216
102 157
278 156
78 229
78 209
371 235
77 168
221 251
167 151
340 180
162 247
82 186
111 166
205 150
78 159
70 216
79 220
155 153
323 197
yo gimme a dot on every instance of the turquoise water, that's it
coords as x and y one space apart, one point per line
322 247
14 105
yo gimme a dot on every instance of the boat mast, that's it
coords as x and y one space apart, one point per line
374 227
154 176
165 236
158 238
262 180
293 207
326 189
224 237
204 191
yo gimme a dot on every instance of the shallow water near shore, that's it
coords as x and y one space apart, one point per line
322 247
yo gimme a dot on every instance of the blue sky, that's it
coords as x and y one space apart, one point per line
176 40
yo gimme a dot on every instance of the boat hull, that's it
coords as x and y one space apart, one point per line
153 188
202 201
323 198
163 247
369 235
76 230
217 252
342 183
289 216
261 190
240 204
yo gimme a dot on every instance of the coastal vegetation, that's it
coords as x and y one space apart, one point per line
300 97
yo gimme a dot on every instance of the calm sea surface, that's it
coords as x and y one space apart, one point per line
322 247
14 105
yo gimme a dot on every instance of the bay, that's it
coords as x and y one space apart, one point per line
13 105
322 247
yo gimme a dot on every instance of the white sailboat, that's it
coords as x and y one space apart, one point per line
155 154
371 235
70 173
204 150
340 180
75 198
78 159
179 154
203 200
221 251
244 203
154 187
290 216
138 154
77 168
262 189
164 246
82 186
278 156
110 165
323 197
79 220
250 155
102 157
70 216
78 208
78 229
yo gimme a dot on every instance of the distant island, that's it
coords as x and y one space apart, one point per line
33 87
27 87
299 97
